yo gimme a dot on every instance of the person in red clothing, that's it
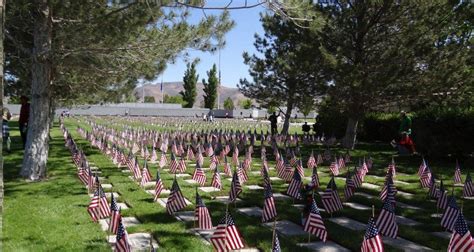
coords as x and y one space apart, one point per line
24 115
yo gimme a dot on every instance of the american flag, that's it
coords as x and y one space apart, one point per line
280 164
425 178
392 168
389 190
176 200
364 169
461 240
341 163
442 201
235 156
457 174
269 209
91 180
83 175
468 190
372 241
190 153
357 178
422 167
311 161
201 213
315 178
115 216
163 161
181 165
386 220
350 187
227 237
334 167
154 157
330 198
199 176
216 179
146 177
227 170
451 214
121 244
136 169
295 186
433 191
314 223
158 186
243 177
299 168
199 157
293 159
235 188
174 165
276 244
98 207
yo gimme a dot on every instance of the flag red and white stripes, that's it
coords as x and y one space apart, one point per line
176 200
201 213
227 237
314 223
372 241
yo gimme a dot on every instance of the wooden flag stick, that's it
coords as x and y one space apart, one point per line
373 211
462 205
194 222
273 233
225 230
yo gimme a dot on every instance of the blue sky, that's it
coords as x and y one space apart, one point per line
238 40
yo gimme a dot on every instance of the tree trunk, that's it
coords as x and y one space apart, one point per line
286 123
349 139
2 60
37 144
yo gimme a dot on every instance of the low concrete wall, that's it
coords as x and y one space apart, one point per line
155 111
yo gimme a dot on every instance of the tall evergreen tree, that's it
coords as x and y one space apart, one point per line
75 51
210 88
291 66
381 50
189 84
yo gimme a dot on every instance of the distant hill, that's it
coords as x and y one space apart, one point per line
173 88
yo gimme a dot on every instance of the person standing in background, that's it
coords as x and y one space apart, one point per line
5 129
24 115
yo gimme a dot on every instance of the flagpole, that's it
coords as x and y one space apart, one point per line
162 96
373 211
194 222
273 233
226 221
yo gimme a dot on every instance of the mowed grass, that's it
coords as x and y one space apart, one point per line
49 215
257 236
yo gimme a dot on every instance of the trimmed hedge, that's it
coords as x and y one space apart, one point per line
435 132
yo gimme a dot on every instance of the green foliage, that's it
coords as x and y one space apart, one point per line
229 104
306 105
149 99
100 49
246 104
287 68
210 88
177 99
189 84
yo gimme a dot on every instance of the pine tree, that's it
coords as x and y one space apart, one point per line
291 66
189 84
210 88
76 52
229 104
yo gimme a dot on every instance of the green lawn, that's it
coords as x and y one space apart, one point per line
51 215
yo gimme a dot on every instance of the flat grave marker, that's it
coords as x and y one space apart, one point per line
251 211
327 246
287 228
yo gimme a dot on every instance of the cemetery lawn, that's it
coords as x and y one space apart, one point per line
51 215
